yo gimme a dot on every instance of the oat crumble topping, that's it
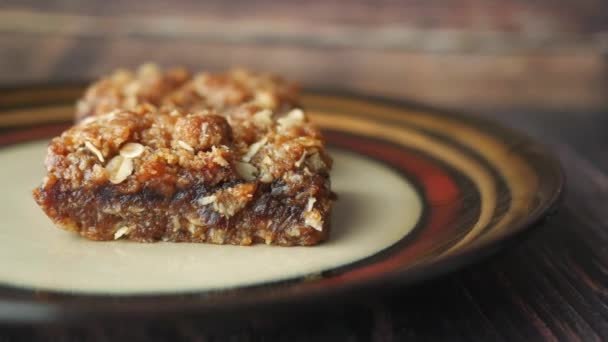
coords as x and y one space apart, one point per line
220 158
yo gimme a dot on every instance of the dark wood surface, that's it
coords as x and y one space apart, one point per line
551 286
460 54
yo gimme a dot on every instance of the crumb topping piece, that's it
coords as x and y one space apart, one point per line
131 150
177 88
119 168
253 149
95 151
120 232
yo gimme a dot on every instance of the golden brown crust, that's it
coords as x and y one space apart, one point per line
126 89
176 88
233 171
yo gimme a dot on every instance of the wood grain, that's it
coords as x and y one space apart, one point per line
462 54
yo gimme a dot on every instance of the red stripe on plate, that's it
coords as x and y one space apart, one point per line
441 197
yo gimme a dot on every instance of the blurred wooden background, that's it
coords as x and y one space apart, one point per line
470 54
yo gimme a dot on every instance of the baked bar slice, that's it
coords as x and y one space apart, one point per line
241 176
177 88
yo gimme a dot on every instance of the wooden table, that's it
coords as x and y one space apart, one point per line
552 286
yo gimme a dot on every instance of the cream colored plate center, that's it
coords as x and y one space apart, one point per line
376 208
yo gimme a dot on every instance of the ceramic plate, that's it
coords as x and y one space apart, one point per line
421 192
